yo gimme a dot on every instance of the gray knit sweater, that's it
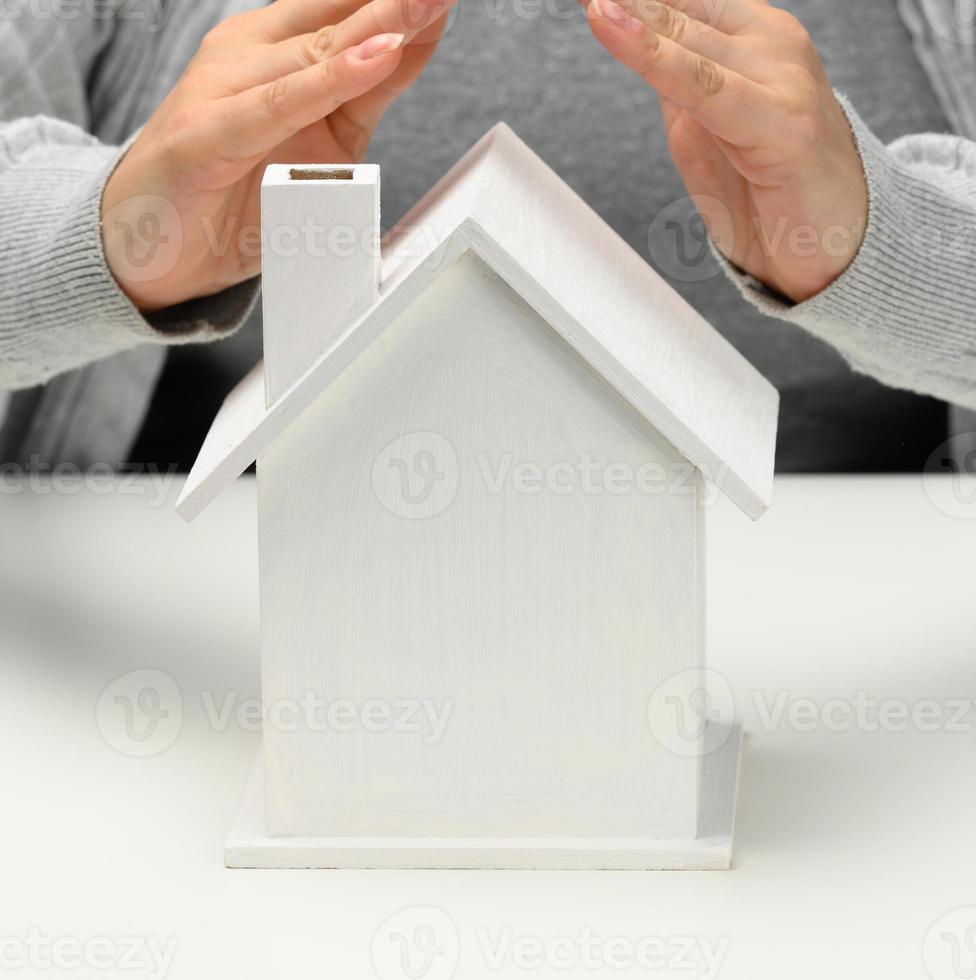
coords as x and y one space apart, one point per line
905 311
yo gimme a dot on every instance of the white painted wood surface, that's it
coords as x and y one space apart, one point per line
543 613
502 202
403 556
320 260
249 844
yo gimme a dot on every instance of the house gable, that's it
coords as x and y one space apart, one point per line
417 536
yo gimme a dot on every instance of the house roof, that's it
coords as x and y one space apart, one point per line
504 204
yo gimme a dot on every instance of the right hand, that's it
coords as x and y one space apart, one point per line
298 81
753 124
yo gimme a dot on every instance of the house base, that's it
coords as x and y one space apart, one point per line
248 846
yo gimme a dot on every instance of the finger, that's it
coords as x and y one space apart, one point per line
254 122
355 121
286 18
694 35
306 50
407 17
290 18
728 16
728 105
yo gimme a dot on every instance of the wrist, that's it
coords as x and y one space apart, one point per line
142 238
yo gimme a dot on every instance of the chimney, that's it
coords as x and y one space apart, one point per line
320 262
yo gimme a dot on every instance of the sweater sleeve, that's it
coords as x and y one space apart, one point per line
904 311
60 306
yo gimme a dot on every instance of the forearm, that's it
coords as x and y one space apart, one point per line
905 309
60 306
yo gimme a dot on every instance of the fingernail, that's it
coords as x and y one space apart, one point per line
375 46
617 16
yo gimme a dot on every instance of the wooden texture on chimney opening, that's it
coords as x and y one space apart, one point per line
297 174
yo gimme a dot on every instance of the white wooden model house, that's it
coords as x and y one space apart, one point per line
481 461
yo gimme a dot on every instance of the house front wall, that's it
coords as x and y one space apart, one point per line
478 565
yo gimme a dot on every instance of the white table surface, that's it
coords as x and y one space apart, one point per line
850 845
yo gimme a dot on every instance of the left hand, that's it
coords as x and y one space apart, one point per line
754 128
297 81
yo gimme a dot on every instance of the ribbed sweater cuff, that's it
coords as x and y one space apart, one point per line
62 307
903 311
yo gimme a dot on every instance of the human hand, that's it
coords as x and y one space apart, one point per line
298 81
754 128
